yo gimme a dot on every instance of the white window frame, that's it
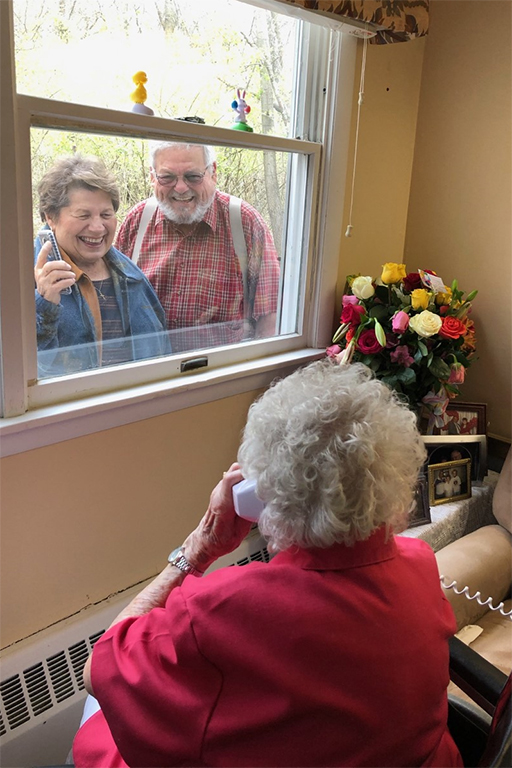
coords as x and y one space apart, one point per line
36 413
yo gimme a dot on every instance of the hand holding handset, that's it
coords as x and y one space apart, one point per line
247 504
45 236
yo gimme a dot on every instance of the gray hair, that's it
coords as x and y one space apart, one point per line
154 147
335 455
74 172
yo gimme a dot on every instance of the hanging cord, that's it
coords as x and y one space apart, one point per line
360 100
477 596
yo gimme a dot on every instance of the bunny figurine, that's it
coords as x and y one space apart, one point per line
241 108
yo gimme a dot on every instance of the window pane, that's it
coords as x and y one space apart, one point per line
195 55
203 291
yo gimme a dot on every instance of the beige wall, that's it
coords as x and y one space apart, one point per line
384 159
91 516
459 220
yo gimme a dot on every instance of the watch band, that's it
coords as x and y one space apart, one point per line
178 559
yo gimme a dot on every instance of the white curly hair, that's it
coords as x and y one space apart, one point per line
335 456
154 147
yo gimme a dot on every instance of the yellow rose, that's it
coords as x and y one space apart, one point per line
444 298
392 273
420 298
425 324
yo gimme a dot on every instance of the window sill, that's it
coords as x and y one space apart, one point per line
56 423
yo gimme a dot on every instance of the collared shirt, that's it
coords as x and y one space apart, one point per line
197 276
322 657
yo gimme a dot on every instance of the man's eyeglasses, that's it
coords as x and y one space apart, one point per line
191 179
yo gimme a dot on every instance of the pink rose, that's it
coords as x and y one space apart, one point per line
367 343
400 322
333 351
401 356
457 374
352 314
349 299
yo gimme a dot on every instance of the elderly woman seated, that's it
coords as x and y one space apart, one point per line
333 654
94 306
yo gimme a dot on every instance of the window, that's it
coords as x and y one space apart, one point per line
286 169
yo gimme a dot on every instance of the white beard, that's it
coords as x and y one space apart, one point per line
185 217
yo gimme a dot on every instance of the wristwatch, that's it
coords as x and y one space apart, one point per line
178 559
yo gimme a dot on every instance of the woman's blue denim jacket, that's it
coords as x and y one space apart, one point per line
66 335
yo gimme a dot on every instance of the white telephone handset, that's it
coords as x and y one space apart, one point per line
247 504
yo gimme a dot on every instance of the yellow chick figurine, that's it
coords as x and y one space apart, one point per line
140 95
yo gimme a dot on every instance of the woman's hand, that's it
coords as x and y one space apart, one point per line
221 530
52 276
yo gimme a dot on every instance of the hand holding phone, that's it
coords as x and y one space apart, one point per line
246 502
52 274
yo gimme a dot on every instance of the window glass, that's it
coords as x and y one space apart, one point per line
196 288
195 56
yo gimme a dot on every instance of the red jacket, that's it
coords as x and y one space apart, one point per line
323 657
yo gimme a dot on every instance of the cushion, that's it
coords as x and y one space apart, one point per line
502 499
481 560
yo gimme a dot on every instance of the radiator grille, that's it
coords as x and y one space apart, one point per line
43 685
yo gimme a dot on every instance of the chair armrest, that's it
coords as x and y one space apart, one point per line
481 680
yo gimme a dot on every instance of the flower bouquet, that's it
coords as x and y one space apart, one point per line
412 330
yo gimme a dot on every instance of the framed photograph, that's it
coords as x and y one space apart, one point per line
449 481
464 419
443 448
420 511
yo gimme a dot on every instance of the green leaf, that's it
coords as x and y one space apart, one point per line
407 376
423 348
379 312
390 380
439 368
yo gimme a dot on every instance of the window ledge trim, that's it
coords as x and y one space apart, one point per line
56 423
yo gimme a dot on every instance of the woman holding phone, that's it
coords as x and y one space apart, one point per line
94 306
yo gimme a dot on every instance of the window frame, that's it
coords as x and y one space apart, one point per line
30 406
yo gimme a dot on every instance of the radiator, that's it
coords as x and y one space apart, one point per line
42 692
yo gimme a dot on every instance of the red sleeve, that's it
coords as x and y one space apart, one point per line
155 689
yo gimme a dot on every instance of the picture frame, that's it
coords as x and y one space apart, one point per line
419 514
443 448
449 481
464 419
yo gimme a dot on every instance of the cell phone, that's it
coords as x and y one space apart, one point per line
246 502
45 236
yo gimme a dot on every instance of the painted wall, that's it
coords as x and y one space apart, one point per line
387 130
88 517
459 219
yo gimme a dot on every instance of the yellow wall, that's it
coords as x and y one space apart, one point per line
459 221
91 516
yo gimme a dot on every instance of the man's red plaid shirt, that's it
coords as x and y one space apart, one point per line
198 277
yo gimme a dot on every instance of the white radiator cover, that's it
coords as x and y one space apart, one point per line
41 689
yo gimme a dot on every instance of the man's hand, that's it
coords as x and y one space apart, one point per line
52 276
221 530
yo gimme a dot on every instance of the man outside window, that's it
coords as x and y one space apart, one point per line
189 256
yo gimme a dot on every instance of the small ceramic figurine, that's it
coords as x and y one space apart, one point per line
241 109
140 95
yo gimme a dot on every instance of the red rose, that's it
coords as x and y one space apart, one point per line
352 314
412 281
452 328
367 343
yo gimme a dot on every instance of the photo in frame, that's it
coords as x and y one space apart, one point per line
444 448
464 419
449 481
419 513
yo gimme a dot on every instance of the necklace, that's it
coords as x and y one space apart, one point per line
101 296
